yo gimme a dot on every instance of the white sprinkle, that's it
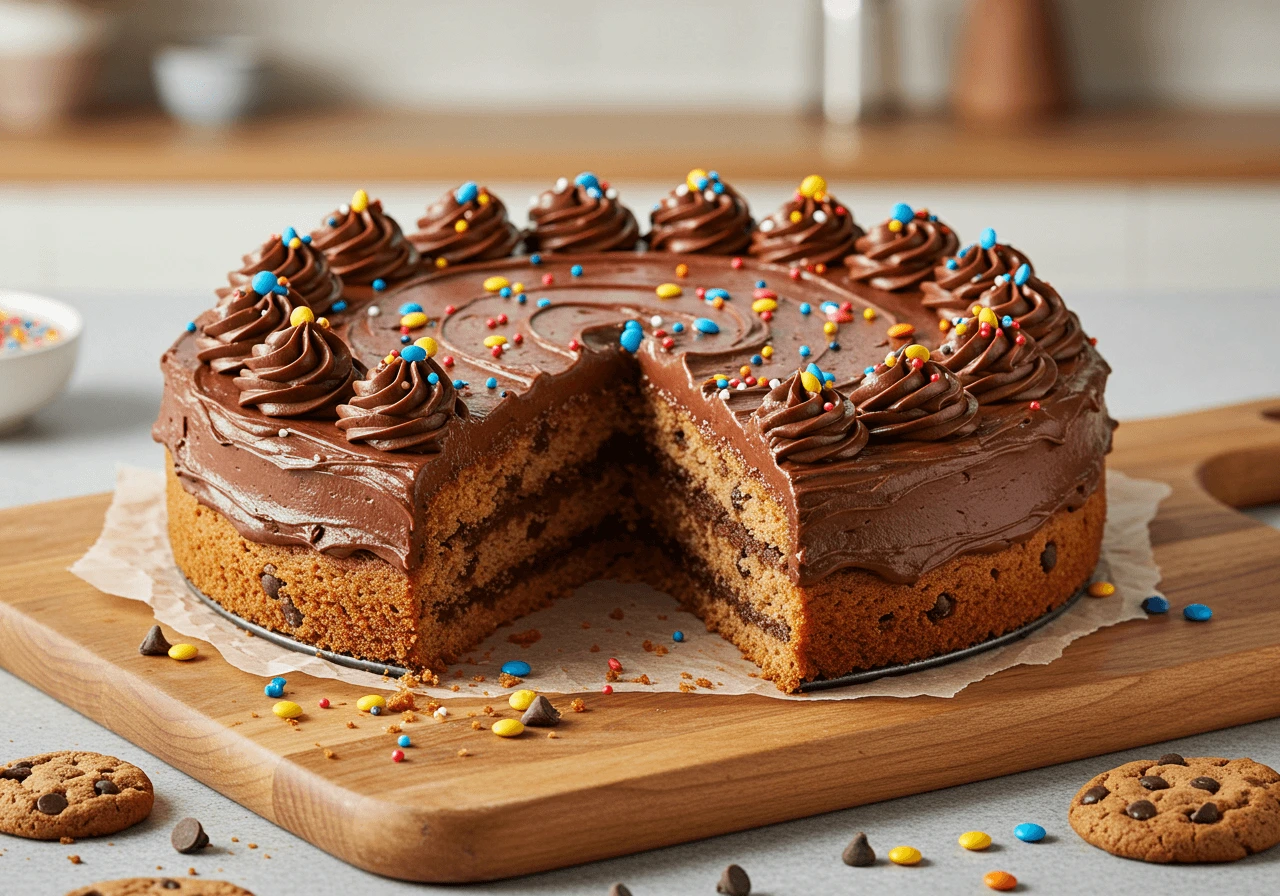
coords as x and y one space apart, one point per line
441 712
374 311
766 225
404 386
709 195
724 394
819 216
655 321
742 386
343 209
611 193
562 184
263 312
533 200
284 433
682 189
315 457
774 383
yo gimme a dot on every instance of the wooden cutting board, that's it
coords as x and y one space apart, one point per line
639 771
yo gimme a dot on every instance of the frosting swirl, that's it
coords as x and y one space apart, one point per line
809 427
364 244
466 224
902 251
703 215
311 281
582 216
243 318
1039 311
301 371
812 228
997 363
959 281
914 398
399 408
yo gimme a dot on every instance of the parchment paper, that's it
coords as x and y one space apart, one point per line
633 623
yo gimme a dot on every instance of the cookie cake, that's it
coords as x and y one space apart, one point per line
842 448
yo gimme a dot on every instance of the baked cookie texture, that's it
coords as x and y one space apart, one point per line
72 794
160 886
832 472
1205 809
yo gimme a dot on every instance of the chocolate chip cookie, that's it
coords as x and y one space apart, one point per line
160 886
1181 810
71 794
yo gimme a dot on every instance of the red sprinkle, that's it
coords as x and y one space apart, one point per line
763 293
574 345
404 331
736 263
795 273
614 664
701 292
751 381
447 361
547 279
496 351
1035 405
668 343
828 406
1093 340
397 755
324 702
659 332
933 377
491 323
502 318
916 363
766 316
841 211
449 309
607 689
518 339
846 306
1020 339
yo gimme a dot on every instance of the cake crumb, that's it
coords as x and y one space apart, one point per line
66 841
401 700
578 705
686 676
191 872
351 725
253 846
393 729
477 678
661 650
477 725
526 638
463 753
74 860
687 688
616 613
643 679
488 710
610 675
586 625
253 715
235 839
595 648
329 754
704 683
551 735
508 681
410 716
454 688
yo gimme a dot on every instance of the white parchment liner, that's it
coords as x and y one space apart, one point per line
131 559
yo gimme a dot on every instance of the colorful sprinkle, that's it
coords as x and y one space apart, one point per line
183 652
301 315
370 702
916 352
669 291
274 690
544 303
975 840
1022 275
413 353
716 293
1101 589
805 308
379 285
999 880
1155 605
630 339
760 305
467 192
520 700
868 314
409 308
1028 832
1192 612
403 741
413 320
518 668
576 270
428 345
988 238
508 728
491 383
904 855
901 331
813 187
324 703
397 755
704 325
677 636
682 270
677 327
287 709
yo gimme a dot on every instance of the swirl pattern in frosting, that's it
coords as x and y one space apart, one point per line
902 251
811 229
242 319
809 425
311 281
305 370
364 244
703 215
911 397
996 363
959 281
582 216
463 225
403 405
1039 311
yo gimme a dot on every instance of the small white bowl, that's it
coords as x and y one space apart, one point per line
209 86
33 378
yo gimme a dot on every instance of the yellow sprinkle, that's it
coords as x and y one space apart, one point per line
944 325
301 315
1101 589
717 303
428 345
322 323
691 181
904 855
360 201
767 351
493 284
295 243
460 226
287 709
413 320
369 701
830 328
517 288
183 652
668 291
507 728
682 270
890 360
483 199
975 310
744 370
761 305
495 339
916 350
961 329
812 186
895 226
442 262
521 699
868 314
795 217
976 840
901 331
810 382
987 316
388 359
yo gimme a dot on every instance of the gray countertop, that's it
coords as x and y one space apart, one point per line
72 448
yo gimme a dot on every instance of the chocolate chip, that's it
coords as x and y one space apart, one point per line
540 714
17 773
859 853
1171 759
1153 782
105 787
943 607
51 803
292 615
734 882
188 836
1094 794
1049 557
737 498
154 644
1206 814
619 890
1203 783
1141 810
271 586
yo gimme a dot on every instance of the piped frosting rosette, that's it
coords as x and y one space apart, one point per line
245 317
465 224
911 397
311 281
1039 311
582 215
901 252
959 281
302 371
995 360
703 215
811 229
365 246
405 404
806 421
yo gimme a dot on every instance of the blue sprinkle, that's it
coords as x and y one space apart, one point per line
701 183
280 681
587 179
491 383
409 308
520 299
338 307
757 360
332 222
760 284
630 339
576 270
273 690
535 258
714 175
280 289
722 383
1006 321
379 285
677 327
952 264
1155 605
829 307
703 325
869 370
288 236
375 710
717 188
433 378
406 339
264 282
459 384
988 238
413 353
677 636
1022 275
505 292
403 740
828 377
967 249
834 346
543 303
903 213
1197 612
632 324
191 326
502 394
814 369
307 239
716 293
518 668
805 308
805 351
1029 833
466 193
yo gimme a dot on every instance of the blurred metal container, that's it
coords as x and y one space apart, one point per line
859 60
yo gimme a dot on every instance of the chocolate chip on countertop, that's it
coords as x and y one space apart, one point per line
1094 794
1206 814
1141 810
1171 759
271 586
105 787
540 714
1153 782
51 803
734 882
1049 557
188 836
154 644
859 853
1203 783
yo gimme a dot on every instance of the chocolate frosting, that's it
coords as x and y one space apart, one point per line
398 409
364 244
311 281
582 216
1040 312
902 251
914 399
807 427
464 225
997 363
304 370
811 228
241 320
959 281
703 215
